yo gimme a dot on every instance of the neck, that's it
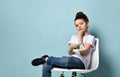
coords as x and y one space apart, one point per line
86 33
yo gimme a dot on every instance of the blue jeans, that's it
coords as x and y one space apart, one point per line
62 62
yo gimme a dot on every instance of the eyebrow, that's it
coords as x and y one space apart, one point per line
76 25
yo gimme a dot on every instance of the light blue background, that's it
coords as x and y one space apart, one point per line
32 28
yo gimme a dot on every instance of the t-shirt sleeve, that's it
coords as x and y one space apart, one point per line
71 40
91 40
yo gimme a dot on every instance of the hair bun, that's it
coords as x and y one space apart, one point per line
81 15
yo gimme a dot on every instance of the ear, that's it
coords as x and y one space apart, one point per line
88 24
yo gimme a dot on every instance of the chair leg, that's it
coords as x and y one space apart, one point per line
83 75
74 74
62 74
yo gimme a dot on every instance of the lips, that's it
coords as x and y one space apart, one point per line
80 29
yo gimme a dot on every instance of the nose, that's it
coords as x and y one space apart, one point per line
79 27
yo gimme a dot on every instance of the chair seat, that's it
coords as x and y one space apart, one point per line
77 70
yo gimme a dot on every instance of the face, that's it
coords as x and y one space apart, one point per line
80 24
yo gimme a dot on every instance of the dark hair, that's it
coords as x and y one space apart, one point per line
81 15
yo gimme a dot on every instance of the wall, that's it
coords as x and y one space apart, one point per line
32 28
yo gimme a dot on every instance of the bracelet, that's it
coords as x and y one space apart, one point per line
80 44
81 47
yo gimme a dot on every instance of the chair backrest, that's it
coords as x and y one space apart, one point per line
95 56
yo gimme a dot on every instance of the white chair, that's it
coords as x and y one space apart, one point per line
94 63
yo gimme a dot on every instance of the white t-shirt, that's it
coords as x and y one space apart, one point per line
88 39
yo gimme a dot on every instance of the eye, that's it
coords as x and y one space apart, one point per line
81 23
76 25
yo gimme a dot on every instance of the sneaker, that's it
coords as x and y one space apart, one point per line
39 61
45 56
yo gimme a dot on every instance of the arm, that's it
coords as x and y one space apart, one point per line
83 52
70 50
87 49
87 46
